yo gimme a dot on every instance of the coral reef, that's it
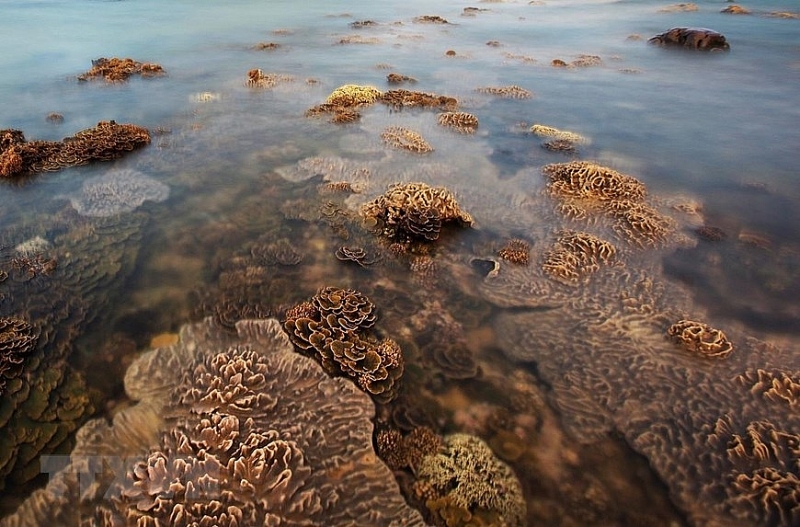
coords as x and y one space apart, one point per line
639 224
506 92
466 479
215 439
117 191
397 78
333 328
583 179
17 341
118 70
736 10
62 283
405 139
778 386
400 98
691 38
344 101
414 211
575 255
461 122
107 141
697 337
430 19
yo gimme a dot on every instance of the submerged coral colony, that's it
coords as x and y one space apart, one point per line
298 416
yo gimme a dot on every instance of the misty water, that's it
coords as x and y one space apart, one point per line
720 130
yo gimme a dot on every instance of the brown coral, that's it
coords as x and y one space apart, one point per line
516 251
575 255
118 70
400 98
216 440
350 95
405 139
333 326
107 141
639 223
17 340
697 337
582 179
777 386
462 122
468 477
415 211
397 78
506 92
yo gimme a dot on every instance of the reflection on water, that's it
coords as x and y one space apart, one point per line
575 385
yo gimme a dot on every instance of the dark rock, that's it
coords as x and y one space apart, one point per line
696 38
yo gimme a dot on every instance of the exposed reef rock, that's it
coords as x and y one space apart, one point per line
107 141
117 191
333 328
400 98
258 79
693 38
227 430
414 212
118 70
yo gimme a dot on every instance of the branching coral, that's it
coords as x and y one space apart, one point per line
470 477
415 211
107 141
697 337
332 328
229 430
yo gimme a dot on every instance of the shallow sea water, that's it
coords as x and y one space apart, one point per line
720 130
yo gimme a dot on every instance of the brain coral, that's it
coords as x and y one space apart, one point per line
117 191
332 327
462 122
700 338
415 211
228 430
468 477
17 340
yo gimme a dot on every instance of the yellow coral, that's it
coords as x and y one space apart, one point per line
353 95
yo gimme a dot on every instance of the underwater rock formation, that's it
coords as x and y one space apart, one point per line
107 141
258 79
226 430
117 191
542 130
118 70
333 328
467 480
414 211
399 99
700 39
